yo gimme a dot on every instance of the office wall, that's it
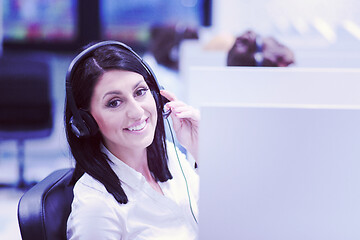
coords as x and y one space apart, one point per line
269 16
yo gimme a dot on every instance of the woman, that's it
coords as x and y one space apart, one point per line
130 182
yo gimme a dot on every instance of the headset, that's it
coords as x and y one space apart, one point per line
83 124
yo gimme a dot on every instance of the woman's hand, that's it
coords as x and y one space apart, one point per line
185 122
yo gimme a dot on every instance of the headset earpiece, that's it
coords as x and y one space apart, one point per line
84 127
160 102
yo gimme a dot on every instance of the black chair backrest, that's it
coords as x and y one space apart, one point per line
44 209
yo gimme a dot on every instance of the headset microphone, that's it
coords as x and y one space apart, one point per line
166 114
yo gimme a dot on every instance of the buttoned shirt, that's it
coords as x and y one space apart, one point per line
150 215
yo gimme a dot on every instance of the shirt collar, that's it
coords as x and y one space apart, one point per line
125 173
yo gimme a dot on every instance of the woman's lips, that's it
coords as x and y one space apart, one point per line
137 126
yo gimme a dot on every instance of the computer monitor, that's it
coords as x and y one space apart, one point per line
130 21
279 172
67 25
40 24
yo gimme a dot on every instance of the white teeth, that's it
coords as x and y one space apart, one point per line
138 127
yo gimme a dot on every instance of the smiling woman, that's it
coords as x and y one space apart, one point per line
128 183
127 116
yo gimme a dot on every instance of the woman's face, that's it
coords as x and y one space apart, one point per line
125 110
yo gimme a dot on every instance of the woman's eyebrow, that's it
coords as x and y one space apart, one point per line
136 85
112 93
117 92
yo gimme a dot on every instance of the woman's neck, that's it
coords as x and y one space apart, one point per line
138 161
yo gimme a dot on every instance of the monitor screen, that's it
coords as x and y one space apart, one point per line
40 21
130 20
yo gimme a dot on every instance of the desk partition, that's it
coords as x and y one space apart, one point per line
279 172
261 85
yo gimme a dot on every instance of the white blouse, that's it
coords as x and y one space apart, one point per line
95 214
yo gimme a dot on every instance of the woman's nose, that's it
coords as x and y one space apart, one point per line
135 110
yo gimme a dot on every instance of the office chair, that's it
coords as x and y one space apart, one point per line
44 209
26 105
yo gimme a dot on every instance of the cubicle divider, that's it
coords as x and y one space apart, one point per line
279 172
278 152
326 86
194 53
327 58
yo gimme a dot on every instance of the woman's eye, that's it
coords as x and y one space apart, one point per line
113 103
141 92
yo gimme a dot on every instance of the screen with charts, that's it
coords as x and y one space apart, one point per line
130 20
39 21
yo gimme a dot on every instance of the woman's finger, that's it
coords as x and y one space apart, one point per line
186 112
169 95
175 104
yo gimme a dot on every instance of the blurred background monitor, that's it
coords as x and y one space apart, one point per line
24 25
130 21
73 23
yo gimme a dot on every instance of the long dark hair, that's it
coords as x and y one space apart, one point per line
87 151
